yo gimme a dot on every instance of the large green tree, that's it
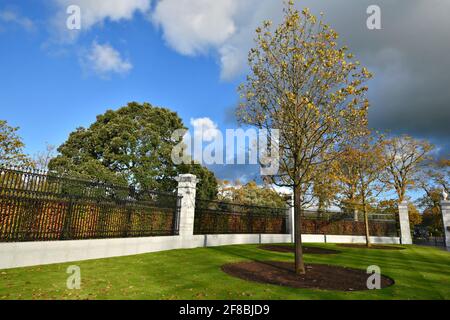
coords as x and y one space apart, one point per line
11 147
309 88
251 194
131 145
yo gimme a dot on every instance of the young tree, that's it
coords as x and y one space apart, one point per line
347 178
325 186
11 147
404 156
366 159
310 89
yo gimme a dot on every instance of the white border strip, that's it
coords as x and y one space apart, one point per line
24 254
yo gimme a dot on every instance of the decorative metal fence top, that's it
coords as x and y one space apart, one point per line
31 183
237 208
225 207
38 206
219 217
345 215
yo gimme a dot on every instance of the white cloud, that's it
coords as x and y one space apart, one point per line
93 12
104 60
190 27
8 17
205 128
96 11
225 27
193 26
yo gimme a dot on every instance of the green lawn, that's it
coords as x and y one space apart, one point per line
419 273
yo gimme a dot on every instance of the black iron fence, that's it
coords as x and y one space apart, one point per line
348 223
214 217
429 241
39 206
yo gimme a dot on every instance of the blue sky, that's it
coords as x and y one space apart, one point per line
190 56
47 93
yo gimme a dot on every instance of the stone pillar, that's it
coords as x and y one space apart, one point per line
187 189
291 217
403 217
445 208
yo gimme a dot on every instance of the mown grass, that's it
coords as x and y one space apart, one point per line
419 273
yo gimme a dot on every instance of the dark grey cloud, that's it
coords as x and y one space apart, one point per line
409 58
410 91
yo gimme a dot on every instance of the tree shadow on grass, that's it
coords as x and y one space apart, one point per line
249 254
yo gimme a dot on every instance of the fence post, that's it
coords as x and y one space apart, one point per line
291 224
355 215
403 217
187 189
445 208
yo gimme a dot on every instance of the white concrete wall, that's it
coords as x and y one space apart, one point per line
361 239
22 254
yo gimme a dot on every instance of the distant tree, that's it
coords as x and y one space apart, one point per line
305 85
42 158
415 217
391 207
132 146
252 194
432 221
437 174
430 202
11 147
432 180
442 176
404 156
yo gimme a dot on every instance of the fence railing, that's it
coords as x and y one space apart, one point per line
348 223
429 241
215 217
38 206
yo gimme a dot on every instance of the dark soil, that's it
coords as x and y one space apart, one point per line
318 276
373 246
289 248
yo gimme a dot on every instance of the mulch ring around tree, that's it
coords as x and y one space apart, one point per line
290 248
318 276
373 246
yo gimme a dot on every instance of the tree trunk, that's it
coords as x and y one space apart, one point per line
366 222
299 264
